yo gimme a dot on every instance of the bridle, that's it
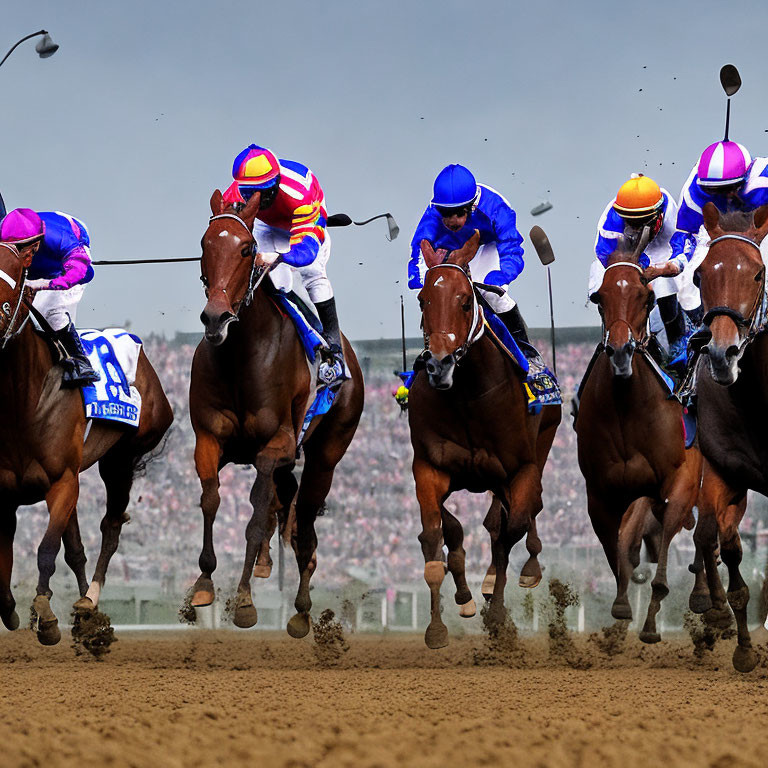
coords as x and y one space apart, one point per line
253 280
9 332
755 320
634 342
477 328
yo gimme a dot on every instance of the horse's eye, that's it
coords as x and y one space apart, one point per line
466 306
246 252
759 276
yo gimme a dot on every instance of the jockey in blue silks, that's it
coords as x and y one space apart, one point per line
459 207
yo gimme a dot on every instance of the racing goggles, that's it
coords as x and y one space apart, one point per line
460 210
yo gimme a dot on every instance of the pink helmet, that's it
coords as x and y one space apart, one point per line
21 226
723 163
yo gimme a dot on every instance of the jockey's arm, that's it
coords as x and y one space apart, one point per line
74 268
509 244
609 227
307 235
689 221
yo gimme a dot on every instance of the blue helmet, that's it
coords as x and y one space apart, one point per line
454 186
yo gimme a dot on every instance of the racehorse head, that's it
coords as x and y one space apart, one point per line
14 262
732 282
228 264
624 300
451 316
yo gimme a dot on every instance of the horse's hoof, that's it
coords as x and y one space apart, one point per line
744 659
85 605
11 622
245 616
489 582
48 632
436 636
468 610
621 610
699 602
649 637
262 571
203 594
298 625
719 618
529 582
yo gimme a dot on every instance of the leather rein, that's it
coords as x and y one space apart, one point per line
9 332
754 322
257 273
634 342
477 328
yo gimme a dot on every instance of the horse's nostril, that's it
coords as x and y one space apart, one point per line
705 349
204 319
732 351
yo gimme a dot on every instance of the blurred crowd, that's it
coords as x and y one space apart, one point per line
369 529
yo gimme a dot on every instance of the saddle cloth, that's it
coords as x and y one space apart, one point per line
540 383
114 354
309 329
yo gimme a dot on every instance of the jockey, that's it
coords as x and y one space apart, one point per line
459 207
291 224
59 272
641 202
727 176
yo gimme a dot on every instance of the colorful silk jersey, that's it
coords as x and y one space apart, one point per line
64 255
611 225
496 221
752 193
299 210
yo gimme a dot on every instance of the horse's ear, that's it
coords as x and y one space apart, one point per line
428 252
466 253
248 214
761 223
711 218
217 203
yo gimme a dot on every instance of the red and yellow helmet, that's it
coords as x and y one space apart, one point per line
638 198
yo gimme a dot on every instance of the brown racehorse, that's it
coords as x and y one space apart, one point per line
470 429
732 382
250 389
42 432
630 440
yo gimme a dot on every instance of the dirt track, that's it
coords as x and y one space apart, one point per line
229 698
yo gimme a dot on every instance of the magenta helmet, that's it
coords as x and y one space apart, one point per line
21 226
723 163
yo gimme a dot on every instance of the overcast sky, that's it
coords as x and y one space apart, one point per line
136 119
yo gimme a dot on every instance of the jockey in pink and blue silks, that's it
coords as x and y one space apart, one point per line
727 176
459 207
59 272
291 226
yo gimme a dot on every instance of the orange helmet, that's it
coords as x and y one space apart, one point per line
638 198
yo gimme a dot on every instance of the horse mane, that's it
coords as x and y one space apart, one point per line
736 221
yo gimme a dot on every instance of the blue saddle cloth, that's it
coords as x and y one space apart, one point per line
309 328
540 383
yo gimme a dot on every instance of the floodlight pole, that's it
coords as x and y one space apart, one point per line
552 321
16 45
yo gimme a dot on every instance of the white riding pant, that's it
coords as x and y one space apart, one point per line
59 308
313 276
487 260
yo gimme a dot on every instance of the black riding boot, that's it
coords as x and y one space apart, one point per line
515 324
331 372
77 368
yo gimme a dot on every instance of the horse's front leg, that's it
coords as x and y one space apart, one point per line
680 500
454 540
729 505
432 489
61 500
261 495
8 614
207 457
